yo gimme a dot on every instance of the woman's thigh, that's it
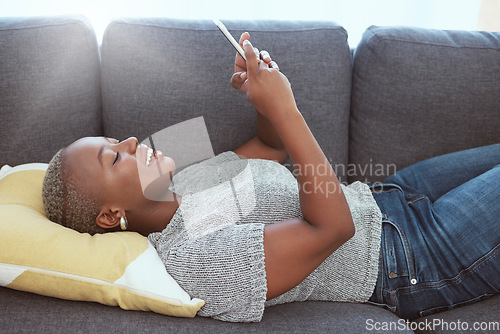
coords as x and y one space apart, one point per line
436 176
436 256
470 214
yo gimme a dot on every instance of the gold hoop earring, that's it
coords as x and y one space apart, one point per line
123 223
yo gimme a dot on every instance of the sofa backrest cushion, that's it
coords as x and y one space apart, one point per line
159 72
418 93
49 86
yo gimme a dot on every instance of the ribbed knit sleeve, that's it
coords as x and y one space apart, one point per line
224 268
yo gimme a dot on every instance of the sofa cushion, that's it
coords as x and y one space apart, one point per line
36 255
418 93
49 86
29 312
479 317
159 72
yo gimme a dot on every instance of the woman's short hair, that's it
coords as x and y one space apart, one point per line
65 199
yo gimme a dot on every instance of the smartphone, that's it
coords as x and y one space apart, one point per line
230 38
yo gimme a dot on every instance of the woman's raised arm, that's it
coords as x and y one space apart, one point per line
266 144
295 247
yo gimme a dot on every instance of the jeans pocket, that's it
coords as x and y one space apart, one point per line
412 198
399 262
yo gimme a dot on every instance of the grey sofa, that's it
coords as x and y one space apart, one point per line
402 95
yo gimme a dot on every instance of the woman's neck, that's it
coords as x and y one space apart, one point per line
154 216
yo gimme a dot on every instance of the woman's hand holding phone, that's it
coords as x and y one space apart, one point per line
240 66
267 89
262 61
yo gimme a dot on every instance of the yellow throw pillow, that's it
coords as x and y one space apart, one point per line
39 256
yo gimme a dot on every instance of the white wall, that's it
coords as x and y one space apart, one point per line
489 15
354 15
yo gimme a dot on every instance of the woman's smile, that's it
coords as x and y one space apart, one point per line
147 155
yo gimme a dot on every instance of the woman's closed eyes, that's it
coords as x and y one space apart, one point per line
117 157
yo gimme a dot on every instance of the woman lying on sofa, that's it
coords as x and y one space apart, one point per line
425 240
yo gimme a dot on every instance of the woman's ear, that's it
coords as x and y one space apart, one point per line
109 218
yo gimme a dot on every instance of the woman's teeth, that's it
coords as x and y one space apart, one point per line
149 156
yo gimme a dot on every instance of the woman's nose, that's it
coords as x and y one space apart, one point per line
131 144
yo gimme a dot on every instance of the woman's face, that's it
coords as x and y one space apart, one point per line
119 173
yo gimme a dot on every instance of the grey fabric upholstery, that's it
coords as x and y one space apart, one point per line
62 316
49 86
159 72
27 312
418 93
484 314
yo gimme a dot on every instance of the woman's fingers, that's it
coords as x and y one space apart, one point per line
252 61
256 61
238 79
239 63
273 64
261 55
264 55
244 37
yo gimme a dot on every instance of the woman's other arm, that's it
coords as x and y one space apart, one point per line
295 247
266 145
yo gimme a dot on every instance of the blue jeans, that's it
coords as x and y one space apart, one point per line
440 233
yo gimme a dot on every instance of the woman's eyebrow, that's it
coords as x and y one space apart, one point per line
99 154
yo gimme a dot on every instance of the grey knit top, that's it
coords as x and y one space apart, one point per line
213 245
